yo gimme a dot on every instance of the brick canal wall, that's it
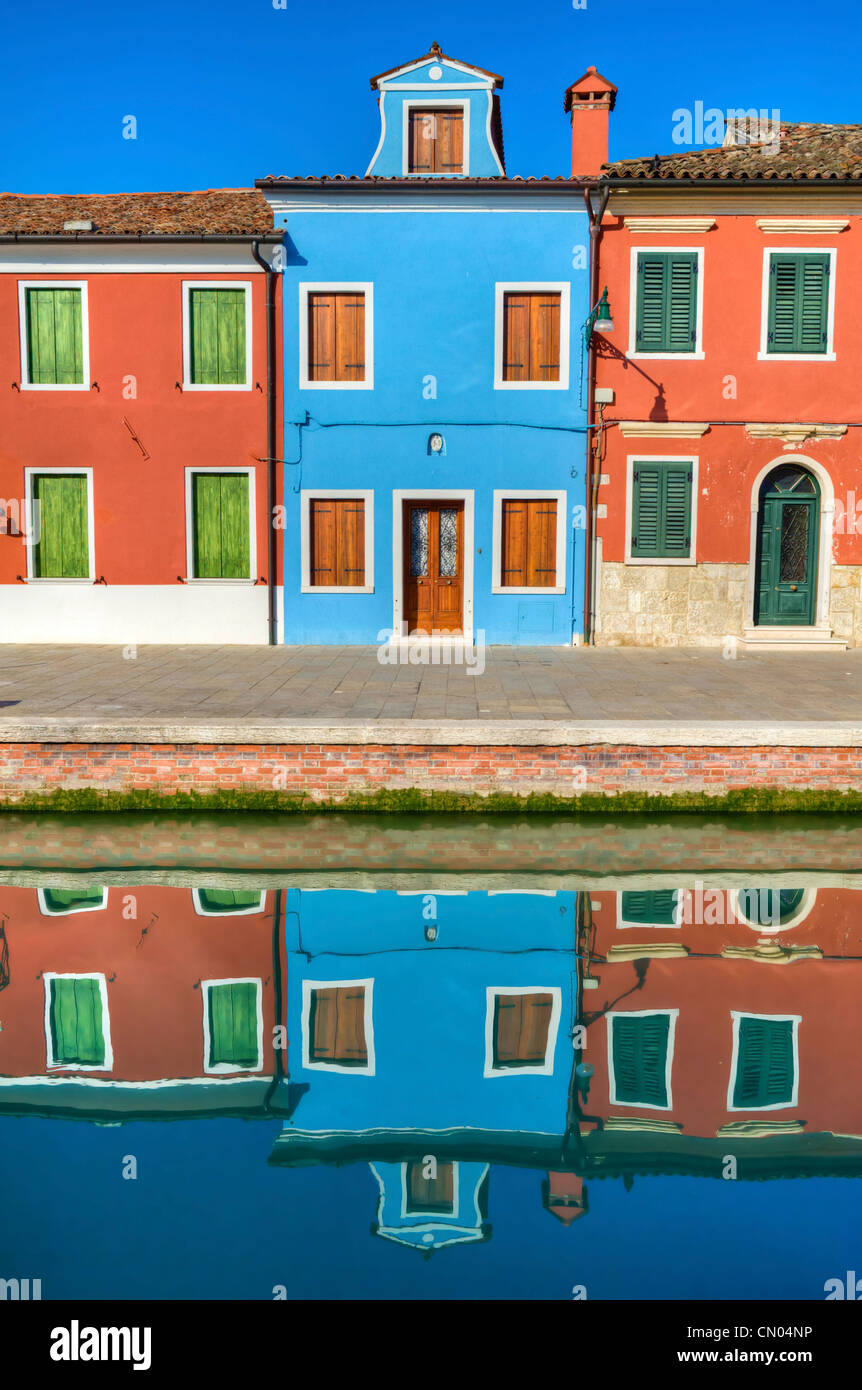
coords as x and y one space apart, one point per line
329 772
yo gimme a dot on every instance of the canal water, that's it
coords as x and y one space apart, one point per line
346 1057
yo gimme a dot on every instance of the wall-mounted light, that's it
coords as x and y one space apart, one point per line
436 444
430 932
599 317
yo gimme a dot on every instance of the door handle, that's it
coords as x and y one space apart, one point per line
793 588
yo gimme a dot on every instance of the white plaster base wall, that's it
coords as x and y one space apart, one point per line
125 613
701 605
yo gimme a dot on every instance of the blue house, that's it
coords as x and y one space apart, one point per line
435 381
430 1035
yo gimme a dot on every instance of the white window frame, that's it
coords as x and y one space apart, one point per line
26 383
191 578
229 1068
47 911
187 286
504 287
492 993
407 1210
631 460
308 988
32 577
306 496
421 103
827 356
805 905
736 1017
502 495
698 354
239 912
53 1065
624 924
365 287
668 1070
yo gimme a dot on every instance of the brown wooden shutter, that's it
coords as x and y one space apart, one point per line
521 1024
336 527
531 337
338 1025
528 550
336 336
430 1194
435 141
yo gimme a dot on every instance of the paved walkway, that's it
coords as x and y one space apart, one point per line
209 685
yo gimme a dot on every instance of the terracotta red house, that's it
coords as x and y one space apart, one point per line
138 343
725 472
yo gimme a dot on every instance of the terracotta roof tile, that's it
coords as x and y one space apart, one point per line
803 153
210 212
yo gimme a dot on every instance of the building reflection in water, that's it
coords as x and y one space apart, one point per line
635 1029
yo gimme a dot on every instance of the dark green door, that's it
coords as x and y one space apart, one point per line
788 526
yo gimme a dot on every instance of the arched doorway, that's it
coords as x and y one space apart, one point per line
788 536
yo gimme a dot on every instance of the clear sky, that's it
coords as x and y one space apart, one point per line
224 91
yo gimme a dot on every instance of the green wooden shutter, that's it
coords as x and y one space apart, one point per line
640 1059
657 906
55 350
798 303
76 1022
220 523
217 337
67 899
666 307
661 510
223 901
233 1025
764 1064
63 548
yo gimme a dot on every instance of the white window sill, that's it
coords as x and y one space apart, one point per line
337 589
51 579
796 357
228 1069
54 386
666 356
190 579
201 386
556 589
336 385
658 560
531 385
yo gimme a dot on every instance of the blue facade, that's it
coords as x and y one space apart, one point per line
433 258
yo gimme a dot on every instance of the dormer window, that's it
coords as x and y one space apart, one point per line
435 140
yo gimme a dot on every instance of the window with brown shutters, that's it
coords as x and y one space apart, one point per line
521 1027
531 336
435 140
528 548
336 533
435 1193
336 335
337 1026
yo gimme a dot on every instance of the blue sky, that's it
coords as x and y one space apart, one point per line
228 90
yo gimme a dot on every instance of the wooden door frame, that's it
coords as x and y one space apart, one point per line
431 494
824 540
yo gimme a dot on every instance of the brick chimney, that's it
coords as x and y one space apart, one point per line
591 100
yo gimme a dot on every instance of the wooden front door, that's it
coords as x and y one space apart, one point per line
434 566
788 526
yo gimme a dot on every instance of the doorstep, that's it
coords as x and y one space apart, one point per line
793 639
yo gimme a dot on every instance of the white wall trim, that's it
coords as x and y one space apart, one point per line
671 1042
698 354
399 497
502 495
230 1068
364 287
25 285
827 356
187 286
32 577
133 258
492 992
824 540
421 102
631 460
53 1065
79 611
308 988
504 287
737 1016
190 577
307 495
47 911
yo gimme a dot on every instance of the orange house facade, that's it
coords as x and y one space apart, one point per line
725 472
141 406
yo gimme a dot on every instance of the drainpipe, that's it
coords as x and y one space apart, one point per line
592 477
272 534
